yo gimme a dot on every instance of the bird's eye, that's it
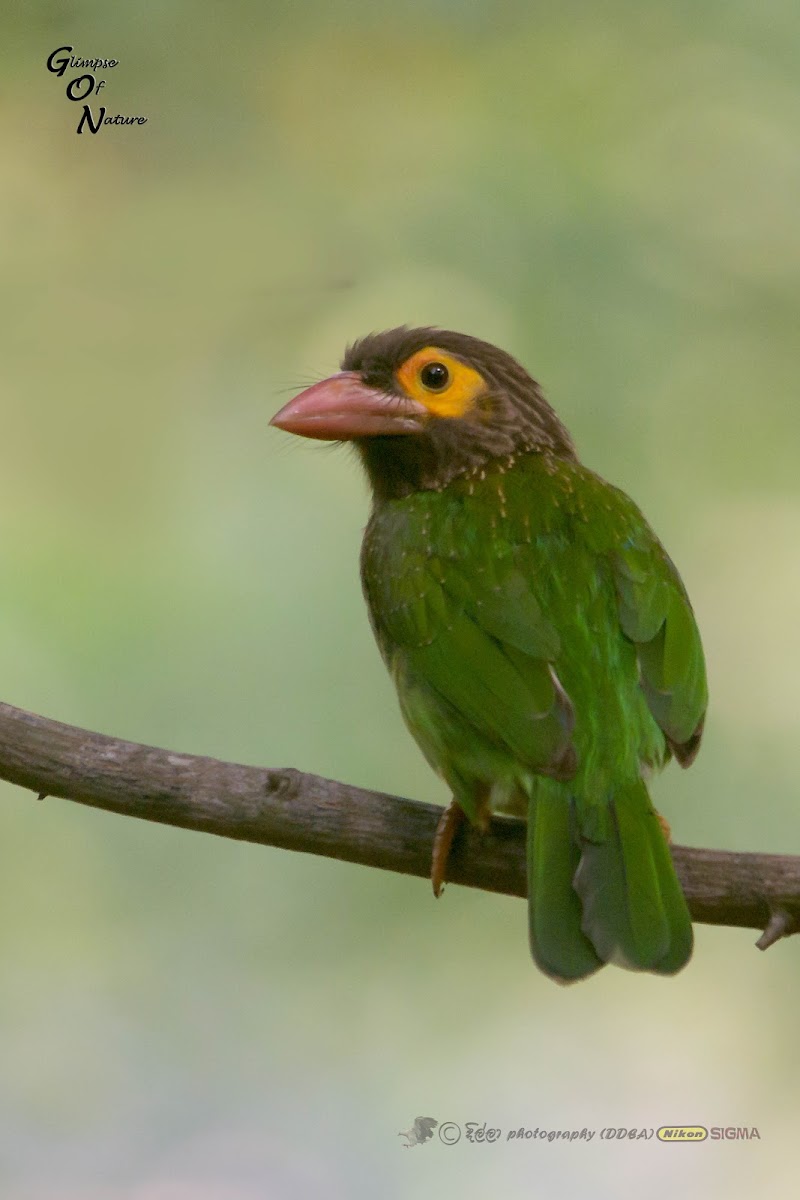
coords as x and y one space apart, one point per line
434 376
447 386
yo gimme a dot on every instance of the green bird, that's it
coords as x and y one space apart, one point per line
541 641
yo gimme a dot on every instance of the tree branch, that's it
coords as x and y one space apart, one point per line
286 808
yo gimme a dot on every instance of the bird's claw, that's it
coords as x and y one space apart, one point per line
449 824
665 828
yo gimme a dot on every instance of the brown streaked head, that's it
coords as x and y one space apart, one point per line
424 406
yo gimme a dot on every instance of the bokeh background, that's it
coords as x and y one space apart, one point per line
609 191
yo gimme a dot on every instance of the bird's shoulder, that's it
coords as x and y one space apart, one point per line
529 507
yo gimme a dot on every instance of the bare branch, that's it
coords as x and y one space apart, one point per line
286 808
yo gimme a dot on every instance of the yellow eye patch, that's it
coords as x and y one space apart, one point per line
446 386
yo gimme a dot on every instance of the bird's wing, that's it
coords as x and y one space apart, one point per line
481 643
656 615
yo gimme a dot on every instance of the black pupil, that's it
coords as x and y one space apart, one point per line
435 376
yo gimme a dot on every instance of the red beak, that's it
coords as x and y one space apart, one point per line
344 407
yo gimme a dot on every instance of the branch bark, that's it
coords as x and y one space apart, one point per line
296 811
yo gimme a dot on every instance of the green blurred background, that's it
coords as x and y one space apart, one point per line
611 192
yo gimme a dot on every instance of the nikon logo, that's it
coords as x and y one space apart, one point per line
682 1133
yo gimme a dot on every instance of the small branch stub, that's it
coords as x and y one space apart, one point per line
781 924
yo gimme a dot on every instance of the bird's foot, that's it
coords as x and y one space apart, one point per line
450 822
665 828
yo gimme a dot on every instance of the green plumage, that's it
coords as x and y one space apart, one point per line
546 655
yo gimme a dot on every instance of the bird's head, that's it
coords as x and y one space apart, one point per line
424 406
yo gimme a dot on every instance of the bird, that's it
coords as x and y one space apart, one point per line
543 647
419 1133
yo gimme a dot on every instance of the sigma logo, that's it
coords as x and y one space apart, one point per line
734 1133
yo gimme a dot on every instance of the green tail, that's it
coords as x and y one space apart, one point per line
590 901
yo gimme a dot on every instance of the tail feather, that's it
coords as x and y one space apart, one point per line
618 883
681 933
558 944
612 898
